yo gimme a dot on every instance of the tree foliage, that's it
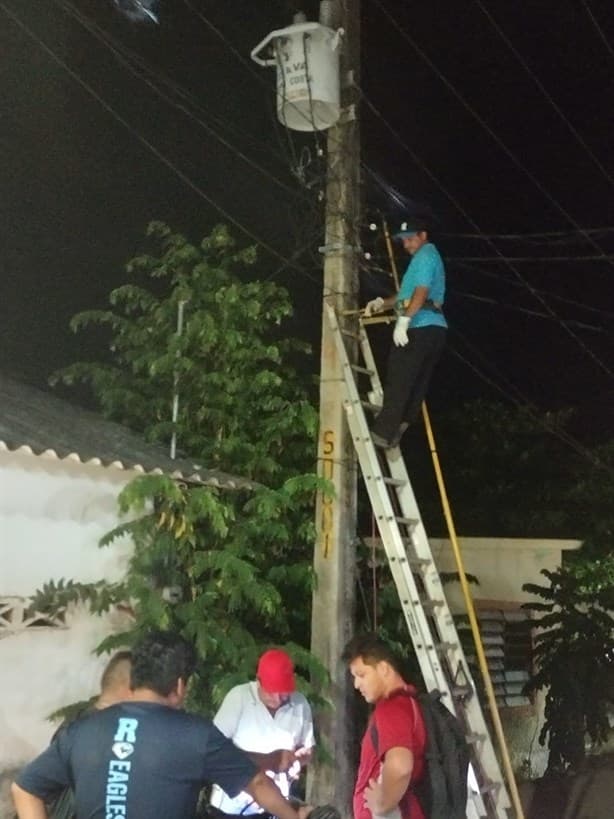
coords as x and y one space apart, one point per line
242 406
511 472
230 570
574 651
507 470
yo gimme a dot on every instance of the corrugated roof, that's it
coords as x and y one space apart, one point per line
45 426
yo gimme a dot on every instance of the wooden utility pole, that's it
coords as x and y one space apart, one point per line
335 551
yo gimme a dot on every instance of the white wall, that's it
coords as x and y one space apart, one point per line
41 671
52 514
503 566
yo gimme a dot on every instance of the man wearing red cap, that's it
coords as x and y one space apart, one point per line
270 720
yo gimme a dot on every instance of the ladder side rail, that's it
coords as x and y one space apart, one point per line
409 509
377 389
420 632
455 659
433 587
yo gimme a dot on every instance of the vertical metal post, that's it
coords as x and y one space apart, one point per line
334 556
175 411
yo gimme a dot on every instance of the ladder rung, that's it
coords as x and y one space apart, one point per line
394 481
443 647
489 787
358 369
418 562
473 739
431 604
406 521
350 334
371 407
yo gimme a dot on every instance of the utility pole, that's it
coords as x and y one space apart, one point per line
335 550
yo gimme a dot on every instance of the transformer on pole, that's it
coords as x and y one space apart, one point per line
306 56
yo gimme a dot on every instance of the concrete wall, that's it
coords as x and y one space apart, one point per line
52 515
503 566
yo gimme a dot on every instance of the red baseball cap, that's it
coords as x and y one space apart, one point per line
276 672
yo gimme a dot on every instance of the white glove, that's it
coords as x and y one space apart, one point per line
373 306
399 336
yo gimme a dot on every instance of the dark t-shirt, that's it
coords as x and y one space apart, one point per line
138 760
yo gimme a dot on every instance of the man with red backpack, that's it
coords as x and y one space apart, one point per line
392 754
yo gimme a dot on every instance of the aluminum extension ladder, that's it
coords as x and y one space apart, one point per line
430 623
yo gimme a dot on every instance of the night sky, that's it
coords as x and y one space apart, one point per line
495 115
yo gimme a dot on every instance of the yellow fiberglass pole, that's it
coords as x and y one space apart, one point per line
475 629
473 621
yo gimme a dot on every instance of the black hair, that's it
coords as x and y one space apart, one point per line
371 649
159 659
116 670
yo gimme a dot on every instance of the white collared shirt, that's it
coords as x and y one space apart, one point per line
246 720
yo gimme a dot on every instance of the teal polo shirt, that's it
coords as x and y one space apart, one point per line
425 270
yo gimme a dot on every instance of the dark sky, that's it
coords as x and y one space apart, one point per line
496 115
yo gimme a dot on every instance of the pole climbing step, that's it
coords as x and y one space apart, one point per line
430 623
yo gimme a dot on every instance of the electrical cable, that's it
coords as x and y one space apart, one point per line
249 66
529 237
598 28
529 259
97 33
131 57
145 142
243 60
511 393
550 294
514 308
482 122
452 291
474 224
580 139
173 86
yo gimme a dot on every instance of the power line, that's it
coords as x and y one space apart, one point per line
549 293
157 153
513 394
580 139
126 57
481 121
453 291
243 60
529 237
516 309
474 224
330 176
531 259
124 60
291 154
474 113
598 28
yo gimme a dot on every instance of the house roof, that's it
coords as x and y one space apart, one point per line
44 425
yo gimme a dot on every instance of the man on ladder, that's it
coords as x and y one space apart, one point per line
418 337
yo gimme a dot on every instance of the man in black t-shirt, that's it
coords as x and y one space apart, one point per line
114 688
145 758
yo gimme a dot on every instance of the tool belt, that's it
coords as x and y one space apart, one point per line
429 304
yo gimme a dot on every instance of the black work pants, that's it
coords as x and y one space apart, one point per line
407 378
